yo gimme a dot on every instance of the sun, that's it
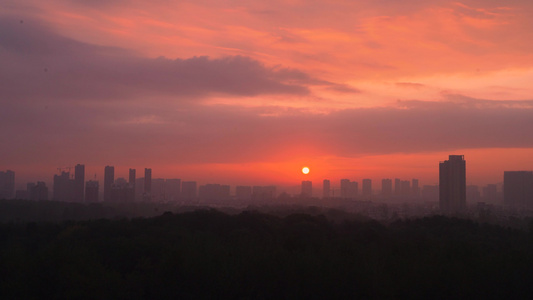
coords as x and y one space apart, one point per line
305 170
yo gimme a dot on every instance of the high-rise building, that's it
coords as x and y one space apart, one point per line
307 188
91 191
344 187
353 189
386 187
147 195
109 180
367 187
79 182
397 186
131 179
326 186
349 189
518 189
452 185
7 184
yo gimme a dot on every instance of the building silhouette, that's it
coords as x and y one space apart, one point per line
349 189
386 187
109 180
214 193
147 195
326 186
452 185
345 187
157 190
172 189
122 191
518 189
397 186
263 193
405 188
367 187
131 179
38 192
415 189
307 188
64 187
79 182
91 191
7 184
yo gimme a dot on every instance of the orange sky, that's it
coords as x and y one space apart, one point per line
247 92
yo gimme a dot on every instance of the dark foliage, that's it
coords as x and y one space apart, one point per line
209 254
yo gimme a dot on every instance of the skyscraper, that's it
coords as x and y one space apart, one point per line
452 185
79 182
518 189
307 188
109 179
326 188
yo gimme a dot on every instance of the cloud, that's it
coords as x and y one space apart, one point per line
230 134
412 85
41 64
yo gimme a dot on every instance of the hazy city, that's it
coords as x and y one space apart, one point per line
394 198
279 149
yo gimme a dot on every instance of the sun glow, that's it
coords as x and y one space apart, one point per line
305 170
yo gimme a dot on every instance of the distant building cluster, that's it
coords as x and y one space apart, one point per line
452 195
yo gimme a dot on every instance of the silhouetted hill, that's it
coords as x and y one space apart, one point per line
210 254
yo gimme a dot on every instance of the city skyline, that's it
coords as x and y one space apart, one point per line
395 184
67 187
251 92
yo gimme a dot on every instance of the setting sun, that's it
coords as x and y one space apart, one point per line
305 170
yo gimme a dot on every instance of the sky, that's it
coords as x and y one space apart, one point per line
249 92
